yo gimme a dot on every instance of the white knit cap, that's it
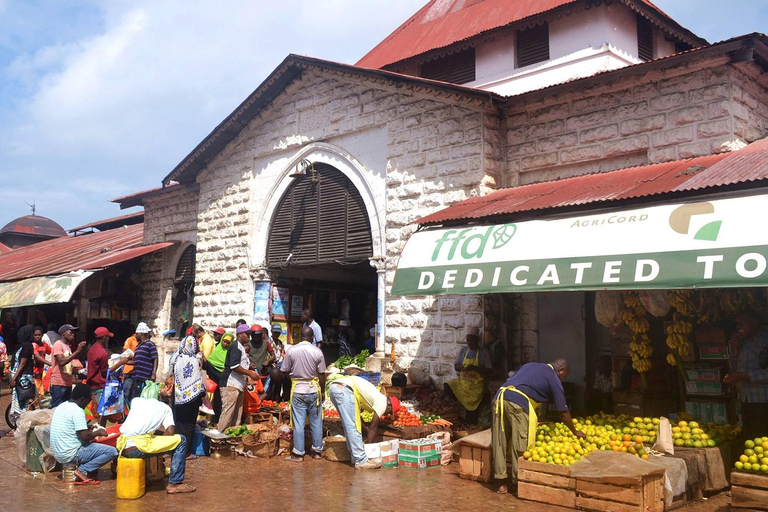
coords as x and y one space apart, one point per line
142 328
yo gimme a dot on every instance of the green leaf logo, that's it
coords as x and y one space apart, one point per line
503 234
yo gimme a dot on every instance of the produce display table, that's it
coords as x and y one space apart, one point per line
749 491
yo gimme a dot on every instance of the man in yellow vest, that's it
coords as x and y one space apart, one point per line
351 395
514 413
138 439
473 366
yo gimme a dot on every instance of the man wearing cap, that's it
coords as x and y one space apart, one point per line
306 366
62 367
351 395
144 361
98 364
473 366
370 343
217 334
232 383
261 354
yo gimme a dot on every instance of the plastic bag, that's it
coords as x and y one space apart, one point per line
151 389
111 401
418 377
655 302
27 420
664 443
608 306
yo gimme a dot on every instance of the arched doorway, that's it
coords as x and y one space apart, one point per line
183 294
319 248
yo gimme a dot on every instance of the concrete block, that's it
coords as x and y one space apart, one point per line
710 93
558 142
581 154
686 115
672 137
598 134
667 154
718 109
527 148
713 128
590 120
668 101
695 149
539 161
625 146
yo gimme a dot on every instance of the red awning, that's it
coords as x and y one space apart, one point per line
746 165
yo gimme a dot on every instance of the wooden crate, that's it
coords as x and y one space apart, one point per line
645 494
749 491
545 483
475 463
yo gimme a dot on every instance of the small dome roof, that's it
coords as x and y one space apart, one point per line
34 225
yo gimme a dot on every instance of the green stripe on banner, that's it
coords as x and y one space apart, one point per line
714 268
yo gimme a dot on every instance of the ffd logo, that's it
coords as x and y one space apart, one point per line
473 246
680 221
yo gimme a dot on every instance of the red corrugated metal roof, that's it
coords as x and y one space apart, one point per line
627 183
442 23
34 225
748 164
101 225
84 252
4 248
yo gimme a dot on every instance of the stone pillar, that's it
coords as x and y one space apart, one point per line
381 298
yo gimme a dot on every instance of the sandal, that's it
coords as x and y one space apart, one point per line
180 489
87 481
192 456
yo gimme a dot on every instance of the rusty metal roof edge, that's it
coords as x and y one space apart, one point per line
601 206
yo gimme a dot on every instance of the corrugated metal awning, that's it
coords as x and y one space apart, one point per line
41 290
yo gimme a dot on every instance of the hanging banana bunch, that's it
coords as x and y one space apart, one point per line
730 302
708 308
682 301
680 330
635 317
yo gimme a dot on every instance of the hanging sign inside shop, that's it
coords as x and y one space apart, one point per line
707 244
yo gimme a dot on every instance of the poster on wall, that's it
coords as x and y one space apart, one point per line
279 302
261 301
295 333
297 304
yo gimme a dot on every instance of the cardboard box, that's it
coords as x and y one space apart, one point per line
409 462
713 351
704 374
703 388
716 336
420 448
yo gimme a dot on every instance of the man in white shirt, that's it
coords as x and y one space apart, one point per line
138 441
309 321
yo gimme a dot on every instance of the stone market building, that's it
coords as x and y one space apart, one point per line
315 182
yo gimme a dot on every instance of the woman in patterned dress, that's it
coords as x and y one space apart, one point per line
188 389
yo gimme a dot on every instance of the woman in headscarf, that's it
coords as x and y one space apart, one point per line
188 388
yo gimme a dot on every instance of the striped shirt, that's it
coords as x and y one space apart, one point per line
68 419
143 361
752 358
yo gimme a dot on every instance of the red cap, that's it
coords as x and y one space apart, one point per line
100 332
255 328
189 331
220 330
395 404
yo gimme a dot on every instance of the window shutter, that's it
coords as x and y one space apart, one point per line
458 68
320 222
644 39
185 269
533 45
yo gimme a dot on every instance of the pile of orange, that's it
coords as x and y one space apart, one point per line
403 418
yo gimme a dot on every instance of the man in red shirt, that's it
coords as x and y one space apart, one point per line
98 364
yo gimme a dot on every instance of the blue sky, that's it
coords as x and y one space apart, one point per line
102 99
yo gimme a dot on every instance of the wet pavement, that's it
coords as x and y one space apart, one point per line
256 484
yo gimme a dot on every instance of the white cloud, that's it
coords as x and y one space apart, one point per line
119 109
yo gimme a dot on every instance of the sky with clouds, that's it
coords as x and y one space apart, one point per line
100 99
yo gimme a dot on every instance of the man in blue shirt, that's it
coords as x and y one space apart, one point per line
72 442
749 349
514 413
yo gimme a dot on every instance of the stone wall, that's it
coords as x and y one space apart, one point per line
677 113
438 150
172 217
